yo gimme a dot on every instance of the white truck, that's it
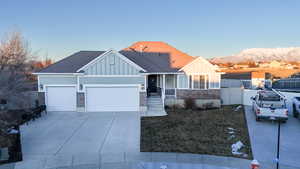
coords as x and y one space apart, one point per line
268 104
296 107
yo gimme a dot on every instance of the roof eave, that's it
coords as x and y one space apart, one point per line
48 73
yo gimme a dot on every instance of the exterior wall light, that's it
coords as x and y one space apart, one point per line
41 86
143 86
80 87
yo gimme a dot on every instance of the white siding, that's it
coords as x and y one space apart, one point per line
203 67
112 80
48 80
111 64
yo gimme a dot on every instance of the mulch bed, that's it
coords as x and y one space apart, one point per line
197 131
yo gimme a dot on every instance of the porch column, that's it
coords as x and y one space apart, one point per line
164 82
163 89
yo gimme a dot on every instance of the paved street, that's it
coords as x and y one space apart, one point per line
143 161
263 136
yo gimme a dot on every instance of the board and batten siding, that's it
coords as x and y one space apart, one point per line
112 80
111 64
201 66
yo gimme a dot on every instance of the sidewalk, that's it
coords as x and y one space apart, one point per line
138 161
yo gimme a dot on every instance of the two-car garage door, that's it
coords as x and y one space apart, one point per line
112 98
104 98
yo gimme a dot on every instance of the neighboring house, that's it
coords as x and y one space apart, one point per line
264 64
248 79
240 66
275 64
124 80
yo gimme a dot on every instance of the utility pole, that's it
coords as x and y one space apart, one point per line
278 145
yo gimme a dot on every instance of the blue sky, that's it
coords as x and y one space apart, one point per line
58 28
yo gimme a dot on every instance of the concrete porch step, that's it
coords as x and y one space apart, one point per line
156 106
154 99
154 103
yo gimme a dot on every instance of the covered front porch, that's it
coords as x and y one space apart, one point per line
158 87
171 89
163 85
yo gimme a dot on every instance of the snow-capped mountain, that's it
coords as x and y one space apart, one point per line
262 55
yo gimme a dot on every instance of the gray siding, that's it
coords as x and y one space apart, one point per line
112 80
182 81
57 80
111 64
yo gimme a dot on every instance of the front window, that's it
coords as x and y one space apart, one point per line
198 81
170 81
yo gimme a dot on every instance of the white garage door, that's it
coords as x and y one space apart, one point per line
61 98
121 98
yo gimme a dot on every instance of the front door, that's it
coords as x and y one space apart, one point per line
152 83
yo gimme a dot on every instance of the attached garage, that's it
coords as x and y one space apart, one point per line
112 98
61 98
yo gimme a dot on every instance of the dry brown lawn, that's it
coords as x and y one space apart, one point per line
196 131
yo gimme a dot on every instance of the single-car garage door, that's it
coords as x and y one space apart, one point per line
61 98
116 98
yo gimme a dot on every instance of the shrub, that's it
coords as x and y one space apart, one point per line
209 105
190 103
173 107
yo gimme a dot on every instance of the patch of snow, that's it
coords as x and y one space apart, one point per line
163 167
231 137
231 132
230 128
13 131
238 108
236 147
261 54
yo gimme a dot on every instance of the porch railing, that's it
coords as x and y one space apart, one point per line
170 92
158 91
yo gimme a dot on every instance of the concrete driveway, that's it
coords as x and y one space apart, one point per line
263 137
74 133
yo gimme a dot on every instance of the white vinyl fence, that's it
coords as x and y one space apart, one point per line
230 96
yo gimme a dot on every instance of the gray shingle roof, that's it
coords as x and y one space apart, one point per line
151 62
72 63
155 57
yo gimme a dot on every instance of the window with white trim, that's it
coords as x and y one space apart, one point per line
170 81
198 81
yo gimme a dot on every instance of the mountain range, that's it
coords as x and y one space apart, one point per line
261 55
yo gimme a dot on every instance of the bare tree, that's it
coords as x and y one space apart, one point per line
14 57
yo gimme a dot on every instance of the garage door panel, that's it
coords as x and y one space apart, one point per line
61 98
112 98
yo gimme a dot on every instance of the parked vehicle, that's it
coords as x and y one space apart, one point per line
296 107
268 104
